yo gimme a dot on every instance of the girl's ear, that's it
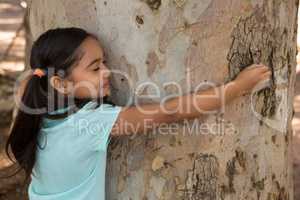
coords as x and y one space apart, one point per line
61 85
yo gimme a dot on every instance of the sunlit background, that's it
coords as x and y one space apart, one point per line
12 52
12 37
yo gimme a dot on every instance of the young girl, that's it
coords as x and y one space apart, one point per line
64 122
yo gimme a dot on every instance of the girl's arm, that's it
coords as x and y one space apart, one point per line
143 118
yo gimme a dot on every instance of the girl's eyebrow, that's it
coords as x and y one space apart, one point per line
94 61
97 59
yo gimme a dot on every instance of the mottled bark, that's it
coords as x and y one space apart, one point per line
161 41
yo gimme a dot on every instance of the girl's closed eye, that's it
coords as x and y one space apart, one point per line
99 65
96 68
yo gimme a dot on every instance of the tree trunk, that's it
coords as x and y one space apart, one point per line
242 152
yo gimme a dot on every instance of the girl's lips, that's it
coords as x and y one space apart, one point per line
106 85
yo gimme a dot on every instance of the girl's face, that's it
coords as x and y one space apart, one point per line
90 77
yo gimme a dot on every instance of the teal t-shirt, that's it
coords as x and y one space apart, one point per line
71 161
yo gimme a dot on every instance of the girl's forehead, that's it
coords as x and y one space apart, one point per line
90 50
91 47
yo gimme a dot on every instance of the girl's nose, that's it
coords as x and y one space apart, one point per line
106 72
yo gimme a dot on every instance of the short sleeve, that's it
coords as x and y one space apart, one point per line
95 124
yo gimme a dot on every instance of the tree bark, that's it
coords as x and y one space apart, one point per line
184 42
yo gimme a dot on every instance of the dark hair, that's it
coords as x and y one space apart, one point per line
55 49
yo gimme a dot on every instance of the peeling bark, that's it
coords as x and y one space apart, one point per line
201 182
255 40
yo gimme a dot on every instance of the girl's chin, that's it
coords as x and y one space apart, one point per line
108 93
105 94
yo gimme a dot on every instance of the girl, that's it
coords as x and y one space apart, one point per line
64 122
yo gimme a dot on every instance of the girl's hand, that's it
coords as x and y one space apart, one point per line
251 76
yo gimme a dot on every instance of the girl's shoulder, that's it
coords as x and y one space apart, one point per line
91 111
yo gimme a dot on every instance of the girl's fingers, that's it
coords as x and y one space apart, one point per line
265 71
267 75
264 68
254 66
260 67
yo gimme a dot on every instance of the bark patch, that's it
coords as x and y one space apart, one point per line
255 40
152 62
153 4
237 162
201 182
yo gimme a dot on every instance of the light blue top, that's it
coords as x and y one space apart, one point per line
71 163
